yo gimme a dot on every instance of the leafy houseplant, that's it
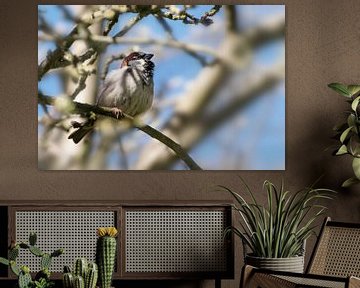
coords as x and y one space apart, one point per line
42 278
348 132
278 230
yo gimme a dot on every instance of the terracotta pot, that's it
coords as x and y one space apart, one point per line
291 264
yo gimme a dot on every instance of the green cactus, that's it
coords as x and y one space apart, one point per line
42 278
25 269
57 252
106 254
24 280
32 238
45 261
91 276
67 269
68 280
13 253
79 282
14 268
87 272
80 267
24 245
36 251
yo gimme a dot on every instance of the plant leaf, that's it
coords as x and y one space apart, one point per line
280 227
351 120
356 167
4 261
340 127
354 145
340 88
353 89
342 150
345 134
349 182
355 103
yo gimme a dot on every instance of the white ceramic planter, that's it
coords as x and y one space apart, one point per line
291 264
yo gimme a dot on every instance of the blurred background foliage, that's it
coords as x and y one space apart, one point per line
219 84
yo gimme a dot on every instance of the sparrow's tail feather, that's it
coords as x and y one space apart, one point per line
82 129
79 134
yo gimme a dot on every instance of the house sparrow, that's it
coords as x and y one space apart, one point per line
129 89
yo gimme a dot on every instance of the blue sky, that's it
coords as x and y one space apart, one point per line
259 148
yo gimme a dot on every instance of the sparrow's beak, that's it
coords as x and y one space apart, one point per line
148 56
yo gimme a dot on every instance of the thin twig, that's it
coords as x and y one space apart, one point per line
171 37
129 25
108 63
186 17
85 109
167 28
67 14
81 83
142 41
55 59
111 23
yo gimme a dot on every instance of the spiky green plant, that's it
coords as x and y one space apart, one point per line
106 254
84 273
42 278
68 280
279 229
80 267
24 280
91 275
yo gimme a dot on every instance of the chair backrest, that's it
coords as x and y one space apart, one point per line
337 251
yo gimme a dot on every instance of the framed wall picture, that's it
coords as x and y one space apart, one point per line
172 87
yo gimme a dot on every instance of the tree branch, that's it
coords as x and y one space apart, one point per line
174 13
231 19
85 109
55 59
191 125
129 25
273 28
170 35
108 63
168 43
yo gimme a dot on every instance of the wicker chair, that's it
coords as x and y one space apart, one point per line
334 263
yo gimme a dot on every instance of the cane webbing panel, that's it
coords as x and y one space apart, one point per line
267 280
300 282
175 241
74 231
338 252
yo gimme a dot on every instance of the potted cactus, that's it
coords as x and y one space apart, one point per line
106 254
84 275
42 278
